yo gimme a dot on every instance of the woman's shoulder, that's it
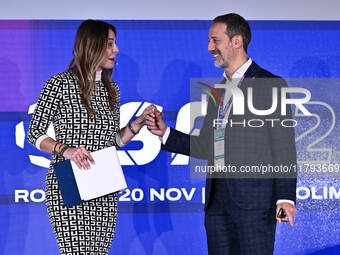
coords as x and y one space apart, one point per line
64 75
60 81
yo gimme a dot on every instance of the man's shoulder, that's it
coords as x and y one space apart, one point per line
260 72
265 76
263 73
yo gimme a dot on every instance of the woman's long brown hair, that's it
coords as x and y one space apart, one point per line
88 51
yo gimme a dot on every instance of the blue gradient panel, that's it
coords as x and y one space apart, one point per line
156 61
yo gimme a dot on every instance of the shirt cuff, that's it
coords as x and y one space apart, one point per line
39 140
164 138
285 201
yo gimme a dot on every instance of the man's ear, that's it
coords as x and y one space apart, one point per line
237 41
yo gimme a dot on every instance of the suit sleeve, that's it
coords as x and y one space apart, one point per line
190 145
283 151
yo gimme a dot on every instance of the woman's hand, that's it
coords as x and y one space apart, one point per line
128 132
80 156
139 122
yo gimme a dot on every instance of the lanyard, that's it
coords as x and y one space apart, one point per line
222 111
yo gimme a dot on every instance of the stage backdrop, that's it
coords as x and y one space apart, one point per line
162 211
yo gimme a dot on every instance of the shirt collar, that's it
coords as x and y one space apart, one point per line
241 71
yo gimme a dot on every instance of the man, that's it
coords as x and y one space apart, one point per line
240 213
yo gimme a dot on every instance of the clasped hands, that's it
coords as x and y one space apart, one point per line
155 123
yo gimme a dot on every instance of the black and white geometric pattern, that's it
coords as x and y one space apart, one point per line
87 228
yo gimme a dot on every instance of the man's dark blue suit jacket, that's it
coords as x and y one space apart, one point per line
245 146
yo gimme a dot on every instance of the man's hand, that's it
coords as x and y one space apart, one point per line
156 124
290 211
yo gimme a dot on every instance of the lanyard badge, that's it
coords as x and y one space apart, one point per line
219 132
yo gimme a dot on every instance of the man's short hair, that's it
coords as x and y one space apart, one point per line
236 25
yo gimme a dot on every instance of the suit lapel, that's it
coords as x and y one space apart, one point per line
252 70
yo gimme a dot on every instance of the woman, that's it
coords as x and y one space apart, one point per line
83 104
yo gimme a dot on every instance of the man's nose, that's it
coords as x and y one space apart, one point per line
211 46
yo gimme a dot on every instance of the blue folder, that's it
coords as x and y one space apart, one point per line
67 183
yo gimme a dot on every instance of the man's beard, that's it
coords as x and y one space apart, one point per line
220 62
